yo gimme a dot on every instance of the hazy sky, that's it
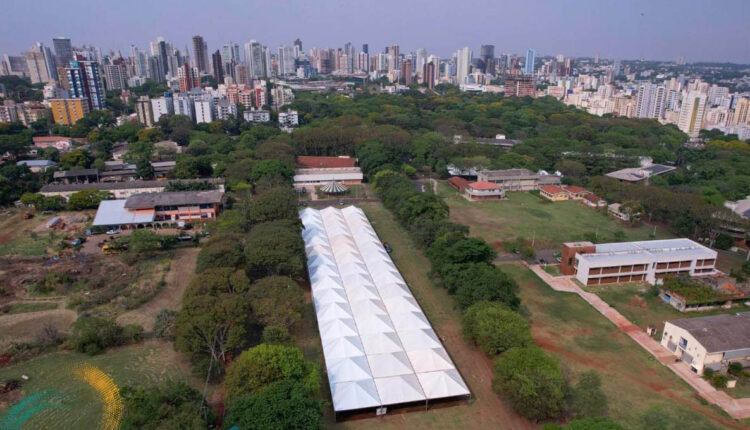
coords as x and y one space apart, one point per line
701 30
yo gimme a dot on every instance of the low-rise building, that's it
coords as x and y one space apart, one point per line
709 342
458 183
640 174
61 143
646 261
322 170
288 120
615 210
162 209
478 191
575 192
593 201
254 115
123 190
37 166
554 193
517 179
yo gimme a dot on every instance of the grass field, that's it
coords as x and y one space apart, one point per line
642 393
149 363
485 410
529 216
17 237
642 308
23 307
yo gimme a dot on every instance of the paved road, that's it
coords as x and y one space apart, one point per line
736 408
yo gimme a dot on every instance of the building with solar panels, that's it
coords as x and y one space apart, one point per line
380 349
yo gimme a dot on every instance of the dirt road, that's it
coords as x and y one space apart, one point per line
181 269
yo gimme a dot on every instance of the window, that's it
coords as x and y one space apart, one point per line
683 343
570 261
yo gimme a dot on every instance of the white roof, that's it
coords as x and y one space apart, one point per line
378 345
644 252
113 212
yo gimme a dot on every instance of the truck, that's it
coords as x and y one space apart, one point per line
113 248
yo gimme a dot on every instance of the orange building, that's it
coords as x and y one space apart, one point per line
68 111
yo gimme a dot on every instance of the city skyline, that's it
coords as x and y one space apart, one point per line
658 32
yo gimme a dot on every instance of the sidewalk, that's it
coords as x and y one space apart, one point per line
736 408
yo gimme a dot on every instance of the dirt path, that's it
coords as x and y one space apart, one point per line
181 269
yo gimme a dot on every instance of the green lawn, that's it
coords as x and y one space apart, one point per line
79 405
642 393
529 216
638 304
17 237
23 307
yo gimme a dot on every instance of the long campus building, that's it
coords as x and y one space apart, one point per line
379 348
646 261
159 209
517 179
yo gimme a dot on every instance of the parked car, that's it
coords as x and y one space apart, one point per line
387 247
113 231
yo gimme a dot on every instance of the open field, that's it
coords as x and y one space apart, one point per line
528 216
79 406
19 236
24 307
637 304
485 409
642 393
181 269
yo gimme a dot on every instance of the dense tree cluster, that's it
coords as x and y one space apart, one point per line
173 405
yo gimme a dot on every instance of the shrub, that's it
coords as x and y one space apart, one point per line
598 423
532 382
284 404
93 335
164 324
736 369
175 405
495 328
723 241
132 333
264 364
719 380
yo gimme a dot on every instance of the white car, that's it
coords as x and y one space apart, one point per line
113 231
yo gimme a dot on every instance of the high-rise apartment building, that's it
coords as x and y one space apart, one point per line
187 78
144 112
63 50
162 106
86 83
463 61
406 72
650 101
691 113
200 54
741 113
183 105
519 86
116 75
256 59
428 74
218 68
40 64
528 67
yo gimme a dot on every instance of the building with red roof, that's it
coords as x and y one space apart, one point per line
458 183
593 201
483 190
313 162
575 192
554 193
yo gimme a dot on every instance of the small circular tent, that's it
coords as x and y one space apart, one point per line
333 188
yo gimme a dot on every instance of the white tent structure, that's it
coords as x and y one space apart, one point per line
379 347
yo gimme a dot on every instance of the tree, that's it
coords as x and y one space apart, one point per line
495 328
271 168
587 398
264 364
275 248
274 204
174 405
144 169
76 159
724 241
474 282
164 324
87 199
277 301
285 404
447 250
222 250
532 381
143 240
